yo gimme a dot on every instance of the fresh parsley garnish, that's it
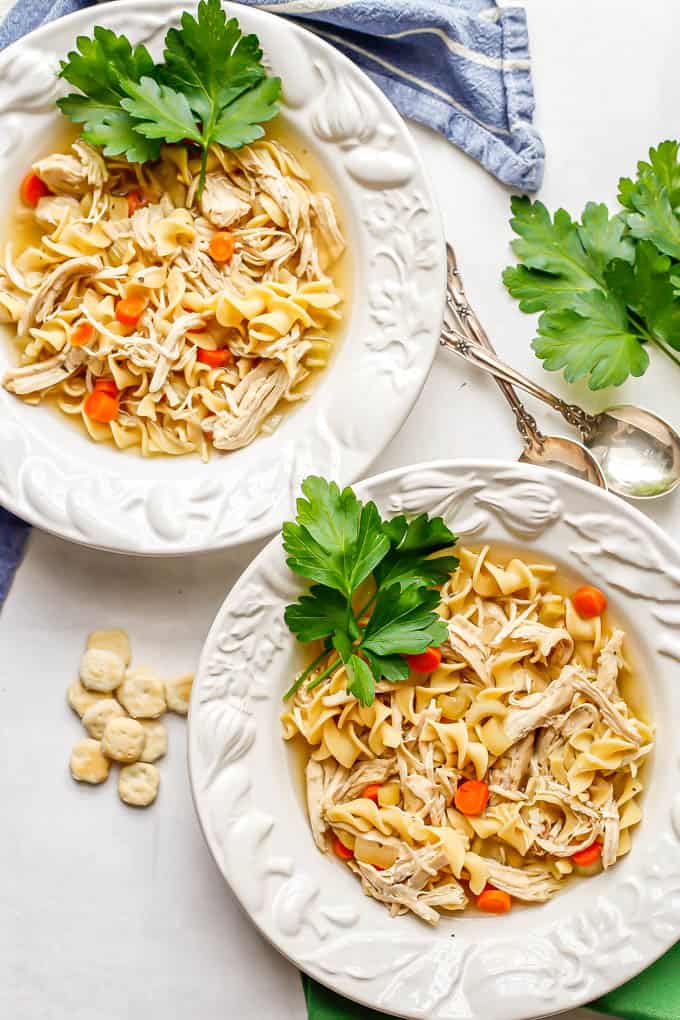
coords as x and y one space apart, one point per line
608 285
211 87
343 544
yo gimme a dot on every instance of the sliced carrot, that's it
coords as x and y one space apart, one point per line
494 901
589 601
83 334
32 189
426 662
371 792
472 797
129 310
103 385
216 359
135 201
101 406
588 856
341 851
221 246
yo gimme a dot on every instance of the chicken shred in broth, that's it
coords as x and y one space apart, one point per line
265 312
527 698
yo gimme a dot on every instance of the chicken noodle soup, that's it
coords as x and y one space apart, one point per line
514 764
166 321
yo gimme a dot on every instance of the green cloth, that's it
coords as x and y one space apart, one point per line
652 995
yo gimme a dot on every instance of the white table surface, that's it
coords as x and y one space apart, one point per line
122 915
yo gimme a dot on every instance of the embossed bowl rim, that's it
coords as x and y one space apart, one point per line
595 935
58 479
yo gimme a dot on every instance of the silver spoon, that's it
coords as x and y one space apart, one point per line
547 451
638 452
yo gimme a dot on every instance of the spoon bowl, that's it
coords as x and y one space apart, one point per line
639 453
562 454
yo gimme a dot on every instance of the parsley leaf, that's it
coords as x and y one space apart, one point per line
212 87
594 339
337 540
403 622
239 122
320 614
160 112
387 667
647 288
412 543
361 681
97 67
654 219
210 61
562 259
596 291
340 542
653 198
664 165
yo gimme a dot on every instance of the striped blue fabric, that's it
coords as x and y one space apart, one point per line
13 535
460 66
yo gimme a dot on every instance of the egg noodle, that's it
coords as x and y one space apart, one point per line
526 700
223 340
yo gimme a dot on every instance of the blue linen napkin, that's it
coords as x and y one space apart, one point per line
460 66
13 535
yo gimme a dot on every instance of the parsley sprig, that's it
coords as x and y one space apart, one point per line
608 285
211 87
344 545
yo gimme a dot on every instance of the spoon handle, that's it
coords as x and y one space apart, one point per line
472 330
500 370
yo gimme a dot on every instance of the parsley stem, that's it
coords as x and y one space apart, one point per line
326 673
370 601
666 350
303 676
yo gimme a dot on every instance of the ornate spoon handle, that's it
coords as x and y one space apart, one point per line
472 343
488 362
472 329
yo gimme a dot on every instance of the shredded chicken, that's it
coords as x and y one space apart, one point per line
610 663
534 885
253 400
43 302
222 203
45 374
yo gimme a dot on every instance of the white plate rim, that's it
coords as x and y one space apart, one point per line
585 942
129 505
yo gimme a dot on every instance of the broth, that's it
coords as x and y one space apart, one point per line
631 685
22 230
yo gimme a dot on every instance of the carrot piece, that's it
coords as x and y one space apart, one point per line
472 797
588 856
216 359
129 310
103 385
426 662
494 901
589 601
221 246
83 334
135 201
371 792
101 406
341 851
32 189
